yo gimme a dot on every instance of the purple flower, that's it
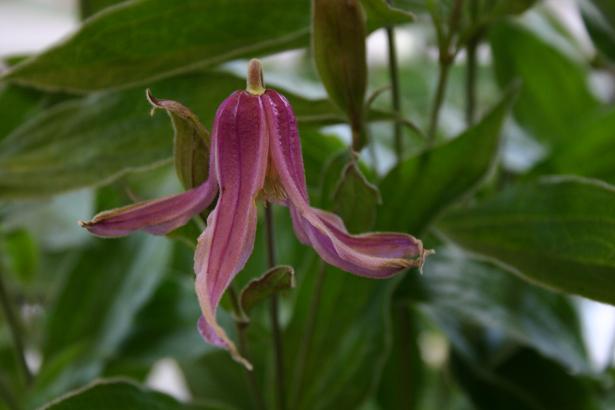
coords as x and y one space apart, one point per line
256 154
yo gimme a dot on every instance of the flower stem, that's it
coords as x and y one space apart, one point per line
443 72
310 326
273 310
395 91
445 60
471 67
241 326
471 83
15 328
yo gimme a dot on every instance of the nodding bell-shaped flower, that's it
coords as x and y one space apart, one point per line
255 154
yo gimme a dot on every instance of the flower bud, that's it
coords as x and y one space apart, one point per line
338 35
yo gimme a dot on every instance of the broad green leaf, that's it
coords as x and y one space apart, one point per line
100 301
586 155
380 13
121 394
190 142
555 93
16 104
88 8
165 326
356 199
507 7
317 149
468 290
22 254
331 176
522 380
139 41
558 232
416 191
492 8
11 376
599 18
269 283
403 382
337 339
215 377
96 139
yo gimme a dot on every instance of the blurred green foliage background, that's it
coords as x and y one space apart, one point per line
508 177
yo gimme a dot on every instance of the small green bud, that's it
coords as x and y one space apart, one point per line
338 36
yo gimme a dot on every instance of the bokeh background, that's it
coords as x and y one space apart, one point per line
44 235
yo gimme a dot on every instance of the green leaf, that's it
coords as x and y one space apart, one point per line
96 139
139 41
555 93
18 105
337 339
88 8
522 380
403 383
356 199
190 142
585 155
165 326
216 377
317 148
380 13
100 300
558 232
599 18
467 290
22 254
269 283
120 394
502 8
416 191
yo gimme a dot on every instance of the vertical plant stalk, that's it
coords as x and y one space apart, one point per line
395 91
273 310
471 82
443 71
241 326
14 327
308 334
446 59
471 67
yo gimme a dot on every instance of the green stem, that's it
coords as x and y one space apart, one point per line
241 326
15 328
274 314
471 82
308 334
471 67
395 88
443 72
446 59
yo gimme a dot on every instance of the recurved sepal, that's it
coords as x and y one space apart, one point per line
191 141
338 40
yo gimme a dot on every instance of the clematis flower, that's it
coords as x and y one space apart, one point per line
255 155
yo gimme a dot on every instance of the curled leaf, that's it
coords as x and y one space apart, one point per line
191 141
276 279
356 199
